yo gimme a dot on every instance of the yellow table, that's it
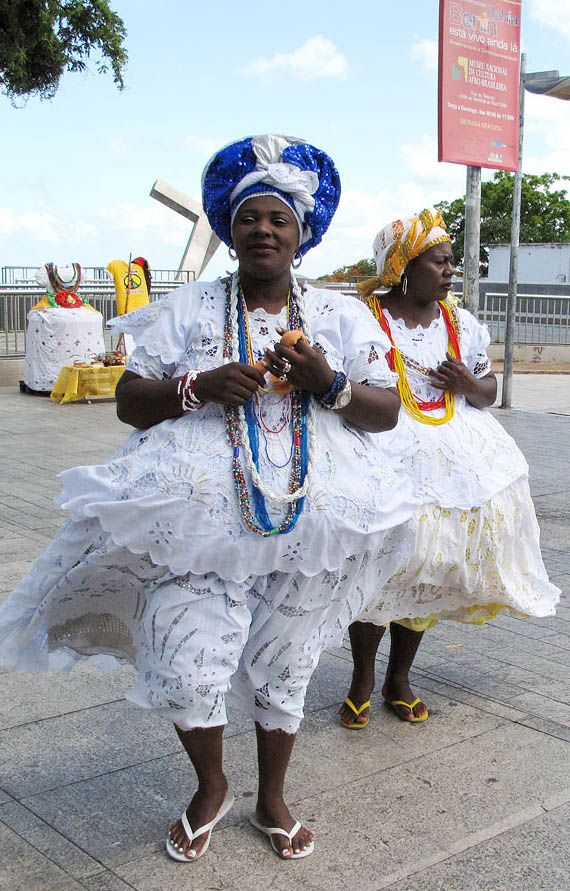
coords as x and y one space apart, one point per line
76 382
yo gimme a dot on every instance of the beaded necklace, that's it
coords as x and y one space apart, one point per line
243 430
415 406
285 414
267 431
56 281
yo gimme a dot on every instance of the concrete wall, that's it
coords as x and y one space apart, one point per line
538 263
488 285
534 354
11 372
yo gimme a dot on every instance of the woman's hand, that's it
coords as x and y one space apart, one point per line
454 376
231 384
143 403
370 408
304 366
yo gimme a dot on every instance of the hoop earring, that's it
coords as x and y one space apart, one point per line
297 257
405 284
232 253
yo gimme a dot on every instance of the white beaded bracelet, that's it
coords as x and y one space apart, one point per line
186 394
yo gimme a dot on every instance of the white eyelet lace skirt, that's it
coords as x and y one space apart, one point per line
470 565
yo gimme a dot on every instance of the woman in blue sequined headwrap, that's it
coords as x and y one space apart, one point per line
242 526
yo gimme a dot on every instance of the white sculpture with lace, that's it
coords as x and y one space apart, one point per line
61 328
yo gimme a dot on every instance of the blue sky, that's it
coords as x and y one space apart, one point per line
359 80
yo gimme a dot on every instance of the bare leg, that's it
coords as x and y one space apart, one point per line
274 749
364 640
204 748
404 645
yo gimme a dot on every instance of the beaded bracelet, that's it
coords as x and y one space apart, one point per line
186 394
328 399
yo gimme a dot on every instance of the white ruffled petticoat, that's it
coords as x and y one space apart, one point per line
477 548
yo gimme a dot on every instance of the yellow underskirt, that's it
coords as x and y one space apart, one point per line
478 615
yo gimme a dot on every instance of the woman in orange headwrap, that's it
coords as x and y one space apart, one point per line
477 546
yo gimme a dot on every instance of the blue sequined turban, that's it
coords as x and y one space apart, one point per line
295 171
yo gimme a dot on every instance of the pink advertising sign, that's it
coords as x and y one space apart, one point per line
479 74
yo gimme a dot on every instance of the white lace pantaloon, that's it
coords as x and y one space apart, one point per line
192 638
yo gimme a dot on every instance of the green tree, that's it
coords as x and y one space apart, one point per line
545 213
40 39
354 272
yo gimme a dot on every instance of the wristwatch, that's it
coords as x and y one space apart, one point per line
339 394
343 398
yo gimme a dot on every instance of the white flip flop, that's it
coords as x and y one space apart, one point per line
276 830
177 853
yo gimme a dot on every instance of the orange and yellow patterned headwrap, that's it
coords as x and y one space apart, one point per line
401 241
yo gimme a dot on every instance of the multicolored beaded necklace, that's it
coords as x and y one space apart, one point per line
256 517
415 406
56 281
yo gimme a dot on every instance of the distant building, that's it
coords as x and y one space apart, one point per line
539 264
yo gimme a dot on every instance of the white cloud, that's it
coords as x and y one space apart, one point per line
137 218
204 148
362 214
547 135
120 147
153 225
426 53
42 227
318 57
113 231
431 176
553 14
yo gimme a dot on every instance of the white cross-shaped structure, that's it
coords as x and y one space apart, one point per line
203 242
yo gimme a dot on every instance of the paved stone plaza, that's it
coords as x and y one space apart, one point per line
476 798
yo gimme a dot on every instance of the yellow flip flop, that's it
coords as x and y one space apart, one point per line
357 711
413 719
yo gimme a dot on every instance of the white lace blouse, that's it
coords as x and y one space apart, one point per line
469 459
170 490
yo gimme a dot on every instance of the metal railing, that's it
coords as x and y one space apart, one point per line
540 318
17 300
25 275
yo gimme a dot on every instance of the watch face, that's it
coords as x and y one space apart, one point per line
344 396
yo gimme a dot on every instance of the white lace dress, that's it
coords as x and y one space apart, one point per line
477 549
155 536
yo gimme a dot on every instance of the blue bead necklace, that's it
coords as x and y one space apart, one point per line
255 515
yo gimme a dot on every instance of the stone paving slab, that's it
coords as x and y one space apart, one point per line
130 808
542 668
106 881
48 842
82 744
530 855
23 866
538 392
444 797
32 698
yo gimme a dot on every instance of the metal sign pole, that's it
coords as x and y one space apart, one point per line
514 261
472 240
